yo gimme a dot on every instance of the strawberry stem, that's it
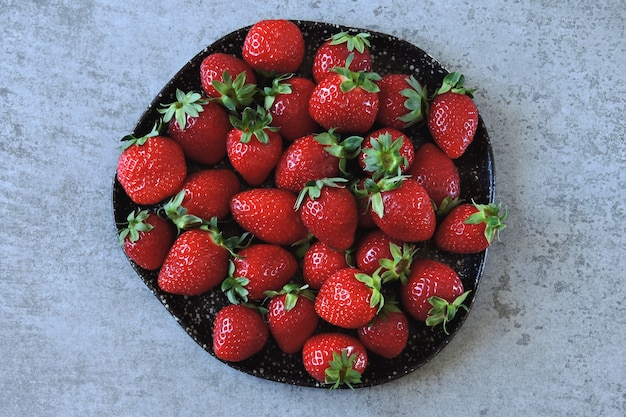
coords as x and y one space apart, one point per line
490 215
235 93
443 311
135 224
186 105
341 370
358 41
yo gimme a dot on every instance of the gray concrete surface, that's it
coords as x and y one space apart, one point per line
81 335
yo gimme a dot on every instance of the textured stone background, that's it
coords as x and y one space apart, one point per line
80 333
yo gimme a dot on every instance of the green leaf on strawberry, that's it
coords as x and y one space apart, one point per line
279 86
313 189
344 149
179 215
454 82
136 223
186 105
399 267
234 94
235 287
341 370
253 123
490 215
416 102
353 79
443 311
358 41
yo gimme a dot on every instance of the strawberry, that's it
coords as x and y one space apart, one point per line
228 79
349 298
274 46
377 250
200 126
386 152
147 238
436 172
453 117
334 52
287 100
269 214
256 269
291 316
335 358
363 202
402 209
239 332
205 194
433 292
403 101
320 262
470 228
253 146
151 168
329 212
197 261
315 157
387 334
346 100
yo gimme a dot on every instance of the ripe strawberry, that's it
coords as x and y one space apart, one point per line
402 209
453 117
200 127
274 46
346 100
287 100
403 101
147 238
386 152
151 168
256 269
269 214
239 332
254 147
470 228
334 52
349 298
228 79
315 157
291 316
335 358
436 172
320 262
377 250
329 212
387 334
433 292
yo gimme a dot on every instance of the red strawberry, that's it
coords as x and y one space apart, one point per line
346 100
329 212
377 250
197 261
320 262
387 334
254 147
436 172
200 127
315 157
470 228
269 214
386 152
287 100
403 101
402 209
147 238
229 79
334 52
335 358
453 117
291 317
274 46
256 269
349 298
239 332
151 168
433 292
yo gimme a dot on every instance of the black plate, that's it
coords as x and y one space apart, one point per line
196 314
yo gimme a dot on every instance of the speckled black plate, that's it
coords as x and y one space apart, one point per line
196 314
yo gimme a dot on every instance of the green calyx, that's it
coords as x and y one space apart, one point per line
135 223
383 158
292 291
235 93
490 215
341 370
375 189
279 86
374 282
399 266
353 79
346 149
186 105
443 311
235 287
454 82
231 243
313 189
179 215
446 206
416 102
359 41
130 140
253 123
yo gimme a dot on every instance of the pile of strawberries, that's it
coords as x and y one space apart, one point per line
330 193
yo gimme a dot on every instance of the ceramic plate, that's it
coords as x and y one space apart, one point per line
196 314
